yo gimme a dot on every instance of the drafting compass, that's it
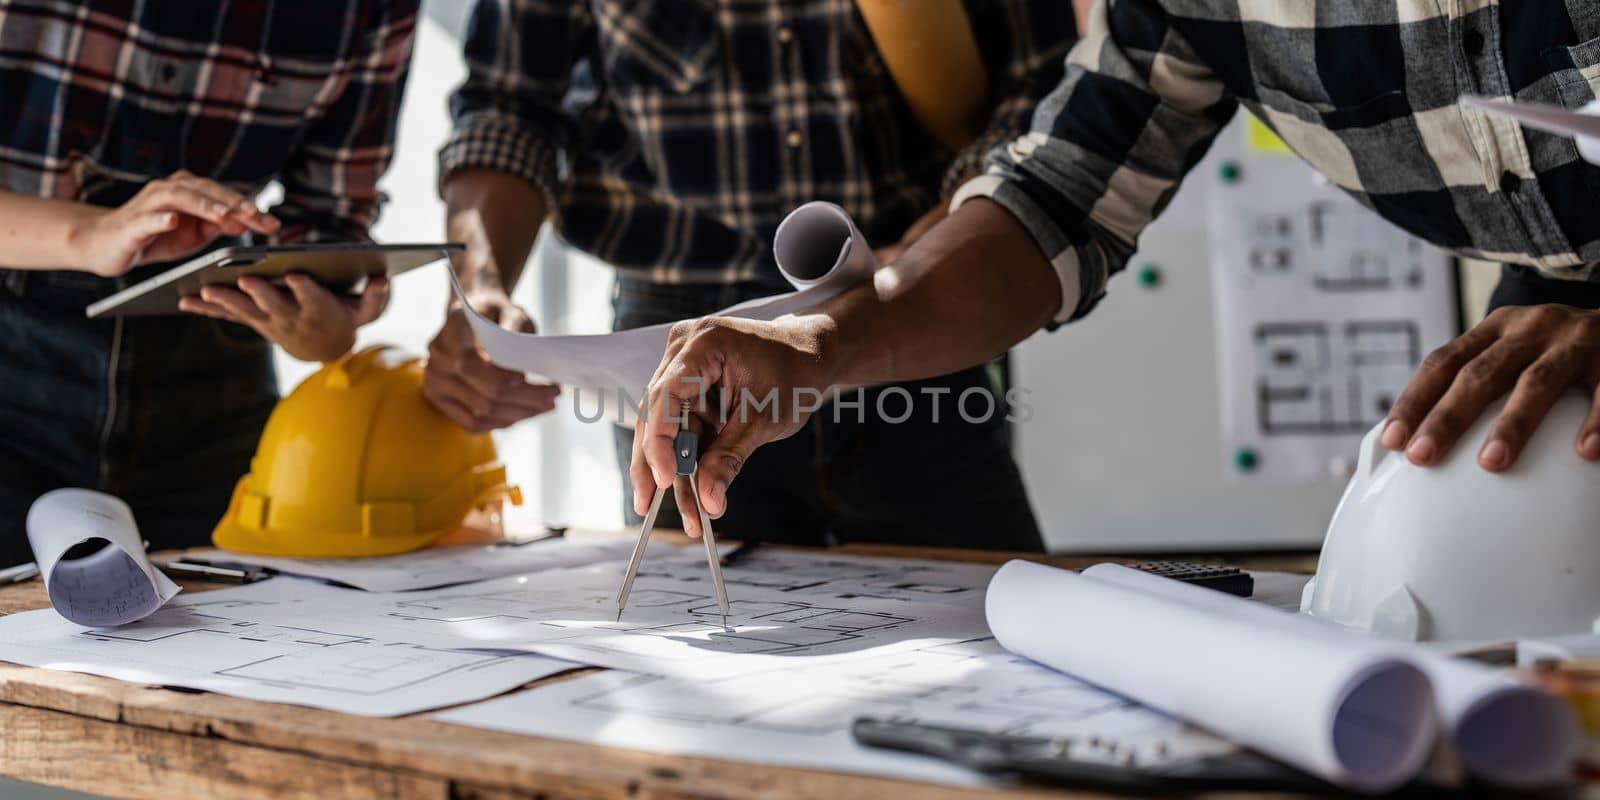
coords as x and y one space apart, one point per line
686 451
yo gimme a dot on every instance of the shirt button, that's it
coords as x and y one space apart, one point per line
1472 40
1510 182
785 35
794 139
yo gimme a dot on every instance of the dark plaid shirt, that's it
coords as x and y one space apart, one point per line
1365 91
673 135
305 92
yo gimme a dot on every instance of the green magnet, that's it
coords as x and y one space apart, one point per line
1149 276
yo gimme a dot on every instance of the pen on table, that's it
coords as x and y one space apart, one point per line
19 573
739 553
550 532
207 572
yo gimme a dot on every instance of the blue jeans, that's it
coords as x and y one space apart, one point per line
163 412
858 478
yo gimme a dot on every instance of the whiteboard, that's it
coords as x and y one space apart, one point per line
1127 448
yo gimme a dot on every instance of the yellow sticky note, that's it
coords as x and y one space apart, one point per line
1260 138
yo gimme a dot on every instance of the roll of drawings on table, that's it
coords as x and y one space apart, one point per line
1357 713
1495 728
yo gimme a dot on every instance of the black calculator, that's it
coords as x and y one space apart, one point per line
1224 579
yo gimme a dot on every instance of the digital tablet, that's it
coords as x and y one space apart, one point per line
342 267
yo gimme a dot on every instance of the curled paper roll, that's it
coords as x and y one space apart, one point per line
114 583
1496 729
1355 713
818 249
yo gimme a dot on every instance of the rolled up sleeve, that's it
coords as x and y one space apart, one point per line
1108 148
508 114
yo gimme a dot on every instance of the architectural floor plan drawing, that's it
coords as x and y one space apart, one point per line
850 577
785 608
1322 312
305 642
432 567
267 642
783 613
1315 378
802 717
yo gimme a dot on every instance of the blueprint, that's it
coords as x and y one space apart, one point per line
847 577
801 717
92 559
785 611
435 566
269 641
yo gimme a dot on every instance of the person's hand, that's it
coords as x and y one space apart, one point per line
888 253
169 218
307 321
1535 353
462 383
747 382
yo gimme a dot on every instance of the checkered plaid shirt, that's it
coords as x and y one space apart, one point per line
673 135
100 96
1364 91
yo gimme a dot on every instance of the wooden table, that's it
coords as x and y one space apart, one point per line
109 737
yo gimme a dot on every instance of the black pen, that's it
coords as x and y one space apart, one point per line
550 532
739 553
206 572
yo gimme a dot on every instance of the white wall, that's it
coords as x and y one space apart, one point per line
565 468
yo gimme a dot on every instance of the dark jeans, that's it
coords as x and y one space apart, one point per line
950 483
163 412
1525 286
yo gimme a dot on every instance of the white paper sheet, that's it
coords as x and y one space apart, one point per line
270 641
435 566
784 616
1355 713
1504 732
113 586
1322 312
802 717
817 247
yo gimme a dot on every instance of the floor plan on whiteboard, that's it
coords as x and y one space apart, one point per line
1323 310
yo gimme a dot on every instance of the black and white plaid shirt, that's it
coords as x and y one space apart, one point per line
684 130
1365 91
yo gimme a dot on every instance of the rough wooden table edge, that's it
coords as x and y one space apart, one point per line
429 748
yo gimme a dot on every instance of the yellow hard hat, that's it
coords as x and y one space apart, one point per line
355 462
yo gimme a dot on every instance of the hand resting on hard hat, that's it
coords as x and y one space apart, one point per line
462 383
1534 353
308 321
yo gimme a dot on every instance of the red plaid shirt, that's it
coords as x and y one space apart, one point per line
99 96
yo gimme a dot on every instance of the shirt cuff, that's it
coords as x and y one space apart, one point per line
501 143
1046 234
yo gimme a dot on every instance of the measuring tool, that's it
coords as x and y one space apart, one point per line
686 451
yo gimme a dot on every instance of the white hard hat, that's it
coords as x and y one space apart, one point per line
1455 553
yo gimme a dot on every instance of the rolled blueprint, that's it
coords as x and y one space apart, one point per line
1495 728
817 247
112 583
1356 713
